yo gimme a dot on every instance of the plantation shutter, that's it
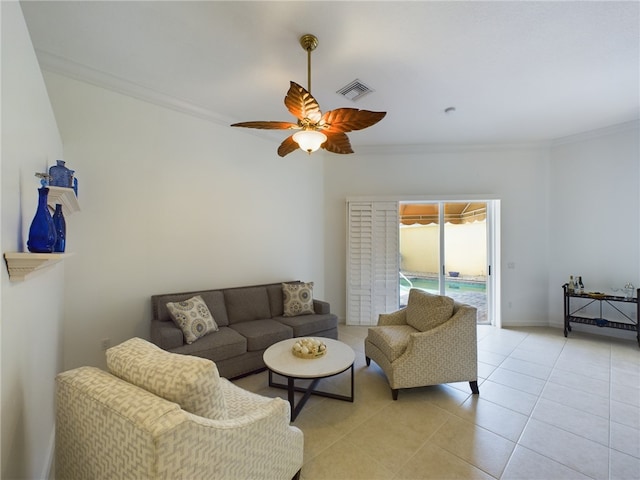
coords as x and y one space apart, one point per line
372 261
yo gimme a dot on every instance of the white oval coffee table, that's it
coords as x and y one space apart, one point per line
279 359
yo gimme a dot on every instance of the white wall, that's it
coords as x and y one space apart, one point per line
518 176
571 207
30 324
173 203
594 225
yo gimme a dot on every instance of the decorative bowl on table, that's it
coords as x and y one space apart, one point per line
309 348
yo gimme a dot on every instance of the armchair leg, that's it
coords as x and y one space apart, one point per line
368 360
394 393
474 387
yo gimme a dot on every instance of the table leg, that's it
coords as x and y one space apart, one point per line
310 390
291 390
352 383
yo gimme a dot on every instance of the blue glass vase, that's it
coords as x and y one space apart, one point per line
61 176
42 233
61 229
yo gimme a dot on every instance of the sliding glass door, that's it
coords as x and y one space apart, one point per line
444 250
444 247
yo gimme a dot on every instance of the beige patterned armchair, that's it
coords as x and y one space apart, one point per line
431 341
160 415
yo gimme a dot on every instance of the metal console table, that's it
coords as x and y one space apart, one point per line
575 316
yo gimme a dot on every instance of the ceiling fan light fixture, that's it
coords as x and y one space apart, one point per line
326 130
309 140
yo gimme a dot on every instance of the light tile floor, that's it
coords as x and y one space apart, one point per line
549 408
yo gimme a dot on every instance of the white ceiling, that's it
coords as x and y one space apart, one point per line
515 71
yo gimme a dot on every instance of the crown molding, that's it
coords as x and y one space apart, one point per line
447 148
599 132
62 66
56 64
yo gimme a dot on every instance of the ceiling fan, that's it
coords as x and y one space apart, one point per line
316 130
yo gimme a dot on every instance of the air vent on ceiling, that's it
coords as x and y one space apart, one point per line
354 90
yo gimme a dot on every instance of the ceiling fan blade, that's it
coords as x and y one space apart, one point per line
348 119
287 146
301 104
268 125
337 142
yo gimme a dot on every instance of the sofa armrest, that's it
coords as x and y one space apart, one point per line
394 318
271 447
166 335
238 400
101 418
260 444
321 307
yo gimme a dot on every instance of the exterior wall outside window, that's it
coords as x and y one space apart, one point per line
419 249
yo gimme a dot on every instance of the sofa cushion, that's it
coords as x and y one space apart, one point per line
215 301
246 304
297 298
213 298
275 299
191 382
309 325
193 317
392 340
426 311
261 334
221 345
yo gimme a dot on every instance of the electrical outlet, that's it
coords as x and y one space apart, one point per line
105 343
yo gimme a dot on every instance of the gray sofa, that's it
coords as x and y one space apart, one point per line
250 319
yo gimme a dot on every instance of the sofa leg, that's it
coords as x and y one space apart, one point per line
368 360
474 387
297 475
394 393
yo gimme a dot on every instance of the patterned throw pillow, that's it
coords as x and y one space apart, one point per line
426 311
297 299
191 382
193 317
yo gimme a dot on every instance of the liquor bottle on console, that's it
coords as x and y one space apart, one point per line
580 285
572 286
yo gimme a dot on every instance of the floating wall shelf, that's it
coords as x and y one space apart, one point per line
65 197
21 265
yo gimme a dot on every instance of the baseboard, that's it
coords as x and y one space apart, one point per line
541 323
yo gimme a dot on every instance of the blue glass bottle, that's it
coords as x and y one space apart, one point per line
42 233
61 229
60 175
